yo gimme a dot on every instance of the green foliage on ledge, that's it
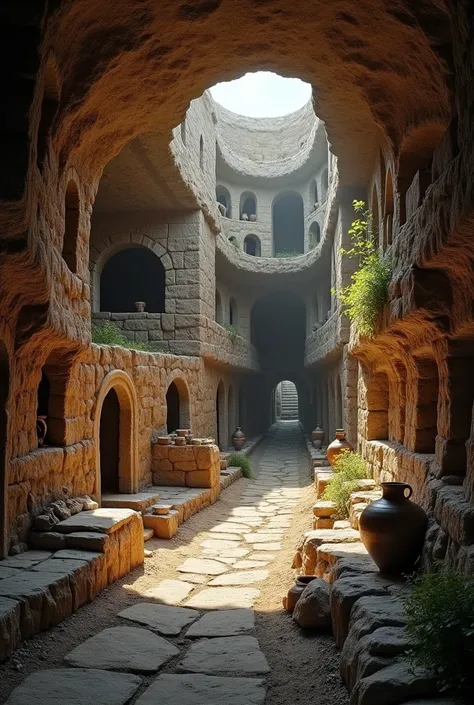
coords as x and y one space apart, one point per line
440 625
365 297
242 462
107 333
349 468
233 332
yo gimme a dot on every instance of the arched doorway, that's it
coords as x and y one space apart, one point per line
116 435
288 224
221 429
223 197
286 401
132 274
252 245
109 439
4 390
172 408
231 414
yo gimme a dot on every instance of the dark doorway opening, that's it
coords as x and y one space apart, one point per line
133 274
173 410
288 224
109 444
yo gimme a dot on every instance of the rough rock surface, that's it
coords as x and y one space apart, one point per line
312 610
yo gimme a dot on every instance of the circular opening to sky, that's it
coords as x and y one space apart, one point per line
262 94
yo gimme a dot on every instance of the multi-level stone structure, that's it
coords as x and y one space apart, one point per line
106 202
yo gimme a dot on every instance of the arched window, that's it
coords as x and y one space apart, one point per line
218 309
252 245
223 197
324 184
183 131
71 226
177 406
134 274
313 195
248 206
49 108
288 224
201 152
314 235
233 312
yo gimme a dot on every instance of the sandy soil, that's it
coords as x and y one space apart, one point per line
304 667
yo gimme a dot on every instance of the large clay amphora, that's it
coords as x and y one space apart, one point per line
393 529
317 437
339 444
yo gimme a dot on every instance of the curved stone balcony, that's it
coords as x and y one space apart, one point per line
223 347
325 342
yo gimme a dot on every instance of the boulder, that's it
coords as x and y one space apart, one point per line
60 509
46 520
312 610
393 684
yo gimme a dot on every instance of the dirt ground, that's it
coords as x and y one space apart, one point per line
304 667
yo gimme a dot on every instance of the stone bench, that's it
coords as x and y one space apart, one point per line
38 588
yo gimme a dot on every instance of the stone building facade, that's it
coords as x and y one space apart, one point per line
109 149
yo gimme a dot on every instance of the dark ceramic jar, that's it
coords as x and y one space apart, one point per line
295 592
339 444
393 529
238 439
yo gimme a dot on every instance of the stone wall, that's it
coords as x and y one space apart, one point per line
186 466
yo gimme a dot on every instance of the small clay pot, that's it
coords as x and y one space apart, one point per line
339 444
393 529
238 439
180 441
317 437
140 306
182 432
188 438
196 441
295 592
163 440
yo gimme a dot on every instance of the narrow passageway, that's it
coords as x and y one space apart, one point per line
205 622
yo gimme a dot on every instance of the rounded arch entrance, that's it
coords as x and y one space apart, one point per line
288 223
115 416
178 413
130 274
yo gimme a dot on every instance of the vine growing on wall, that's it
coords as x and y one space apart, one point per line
367 293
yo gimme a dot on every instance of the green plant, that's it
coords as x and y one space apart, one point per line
349 468
366 295
287 253
107 333
242 462
233 240
233 332
440 624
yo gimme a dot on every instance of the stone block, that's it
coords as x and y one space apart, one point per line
46 540
104 520
324 509
172 478
181 453
87 541
10 633
165 526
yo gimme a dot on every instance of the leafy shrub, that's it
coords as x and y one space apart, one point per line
107 333
242 462
233 241
440 624
349 468
287 253
365 297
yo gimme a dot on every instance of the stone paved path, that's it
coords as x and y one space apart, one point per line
201 646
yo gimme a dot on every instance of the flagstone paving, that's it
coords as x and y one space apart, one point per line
208 649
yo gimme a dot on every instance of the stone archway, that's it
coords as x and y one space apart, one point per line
126 447
178 413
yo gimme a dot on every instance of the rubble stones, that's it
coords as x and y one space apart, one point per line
312 610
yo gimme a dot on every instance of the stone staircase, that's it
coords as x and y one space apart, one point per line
289 402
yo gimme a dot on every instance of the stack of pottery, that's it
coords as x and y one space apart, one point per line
238 439
339 444
317 437
140 306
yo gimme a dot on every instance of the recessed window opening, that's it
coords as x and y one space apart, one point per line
131 277
314 235
252 245
71 226
248 207
172 408
224 201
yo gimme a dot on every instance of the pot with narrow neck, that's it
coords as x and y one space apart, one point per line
238 439
339 444
393 529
